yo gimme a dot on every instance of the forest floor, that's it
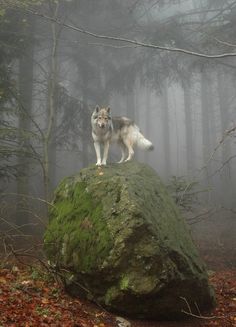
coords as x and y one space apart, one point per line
30 297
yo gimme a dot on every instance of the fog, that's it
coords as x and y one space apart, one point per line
168 65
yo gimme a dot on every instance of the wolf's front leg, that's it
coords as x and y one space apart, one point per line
98 153
105 153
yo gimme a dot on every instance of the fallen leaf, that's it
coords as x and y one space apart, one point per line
15 269
3 280
45 300
26 282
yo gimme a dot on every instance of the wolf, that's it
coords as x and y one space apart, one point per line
122 130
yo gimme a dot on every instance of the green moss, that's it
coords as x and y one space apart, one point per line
122 237
111 295
77 232
124 283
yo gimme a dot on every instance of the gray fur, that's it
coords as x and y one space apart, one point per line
120 122
122 130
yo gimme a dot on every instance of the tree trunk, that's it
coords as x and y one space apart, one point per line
166 130
188 128
130 100
224 98
25 103
86 136
86 116
148 118
51 118
206 106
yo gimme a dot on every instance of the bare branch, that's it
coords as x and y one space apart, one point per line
29 197
130 41
202 216
225 43
227 133
199 316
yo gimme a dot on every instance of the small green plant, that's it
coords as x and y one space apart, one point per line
57 315
55 292
35 274
42 311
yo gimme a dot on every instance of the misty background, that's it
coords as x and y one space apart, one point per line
58 59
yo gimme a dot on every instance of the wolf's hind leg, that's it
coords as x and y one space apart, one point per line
98 153
129 146
123 149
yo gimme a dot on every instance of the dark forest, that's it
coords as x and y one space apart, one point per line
170 66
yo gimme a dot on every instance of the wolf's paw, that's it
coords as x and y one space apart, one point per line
98 163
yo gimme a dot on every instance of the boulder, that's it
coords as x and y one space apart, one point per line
118 239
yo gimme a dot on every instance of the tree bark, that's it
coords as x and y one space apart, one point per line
51 108
206 106
224 98
86 116
166 130
25 102
188 128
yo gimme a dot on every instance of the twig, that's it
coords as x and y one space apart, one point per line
226 134
17 255
225 43
199 316
29 197
200 217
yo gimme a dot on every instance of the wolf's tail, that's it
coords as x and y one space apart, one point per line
143 143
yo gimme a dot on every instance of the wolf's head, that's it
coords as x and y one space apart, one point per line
102 116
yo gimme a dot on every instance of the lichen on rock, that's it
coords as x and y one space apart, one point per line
118 232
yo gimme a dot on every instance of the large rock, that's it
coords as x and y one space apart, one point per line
122 243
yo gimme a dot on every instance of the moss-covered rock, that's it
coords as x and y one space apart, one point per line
122 243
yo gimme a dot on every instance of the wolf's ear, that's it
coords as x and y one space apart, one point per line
109 110
97 108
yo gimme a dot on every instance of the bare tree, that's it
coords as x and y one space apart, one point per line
25 112
188 127
166 128
51 107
